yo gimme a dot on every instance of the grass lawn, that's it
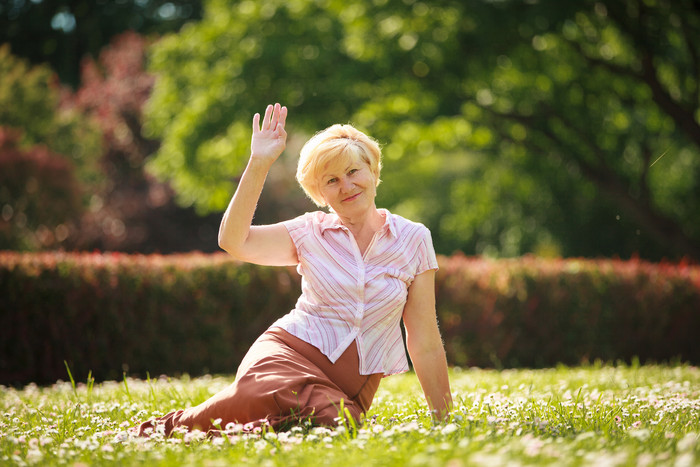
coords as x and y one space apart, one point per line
597 415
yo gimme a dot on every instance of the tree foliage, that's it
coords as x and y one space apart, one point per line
48 158
131 211
509 127
63 32
30 102
72 163
603 94
39 196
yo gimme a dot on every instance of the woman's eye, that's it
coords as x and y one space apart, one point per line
352 171
332 180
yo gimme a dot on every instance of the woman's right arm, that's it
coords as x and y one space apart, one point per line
264 244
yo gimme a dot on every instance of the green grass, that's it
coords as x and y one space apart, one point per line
598 415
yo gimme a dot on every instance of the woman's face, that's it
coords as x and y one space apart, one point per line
350 188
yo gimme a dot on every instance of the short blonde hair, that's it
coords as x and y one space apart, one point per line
337 144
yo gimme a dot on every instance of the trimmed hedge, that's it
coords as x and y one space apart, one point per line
535 312
115 313
196 313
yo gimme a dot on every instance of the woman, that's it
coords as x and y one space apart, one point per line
363 270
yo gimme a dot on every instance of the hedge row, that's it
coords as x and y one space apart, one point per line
195 313
115 313
534 312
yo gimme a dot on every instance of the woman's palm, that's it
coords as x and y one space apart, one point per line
269 138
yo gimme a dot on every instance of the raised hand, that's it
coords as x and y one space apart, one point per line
269 137
269 245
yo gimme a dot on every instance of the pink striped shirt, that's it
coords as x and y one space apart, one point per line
347 297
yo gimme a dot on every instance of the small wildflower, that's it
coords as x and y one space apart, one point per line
120 437
688 442
533 447
34 455
234 427
194 435
449 428
219 441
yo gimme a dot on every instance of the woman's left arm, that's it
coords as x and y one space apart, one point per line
425 344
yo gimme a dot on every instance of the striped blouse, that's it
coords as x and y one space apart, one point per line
347 297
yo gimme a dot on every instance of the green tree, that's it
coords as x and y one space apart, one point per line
509 127
215 74
597 97
48 158
30 101
63 32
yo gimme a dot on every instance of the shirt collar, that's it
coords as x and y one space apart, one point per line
332 221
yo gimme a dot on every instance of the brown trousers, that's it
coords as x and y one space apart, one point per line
281 381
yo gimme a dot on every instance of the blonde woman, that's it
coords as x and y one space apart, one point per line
363 270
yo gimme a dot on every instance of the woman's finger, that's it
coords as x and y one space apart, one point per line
266 119
275 117
283 117
256 123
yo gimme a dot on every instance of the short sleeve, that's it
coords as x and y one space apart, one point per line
298 228
427 259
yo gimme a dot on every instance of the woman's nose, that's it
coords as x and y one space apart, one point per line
346 184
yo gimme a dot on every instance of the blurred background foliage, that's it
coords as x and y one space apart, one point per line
62 33
509 127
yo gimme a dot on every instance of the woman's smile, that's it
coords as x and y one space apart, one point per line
352 198
348 188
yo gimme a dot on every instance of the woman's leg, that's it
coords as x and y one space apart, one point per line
282 380
339 381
